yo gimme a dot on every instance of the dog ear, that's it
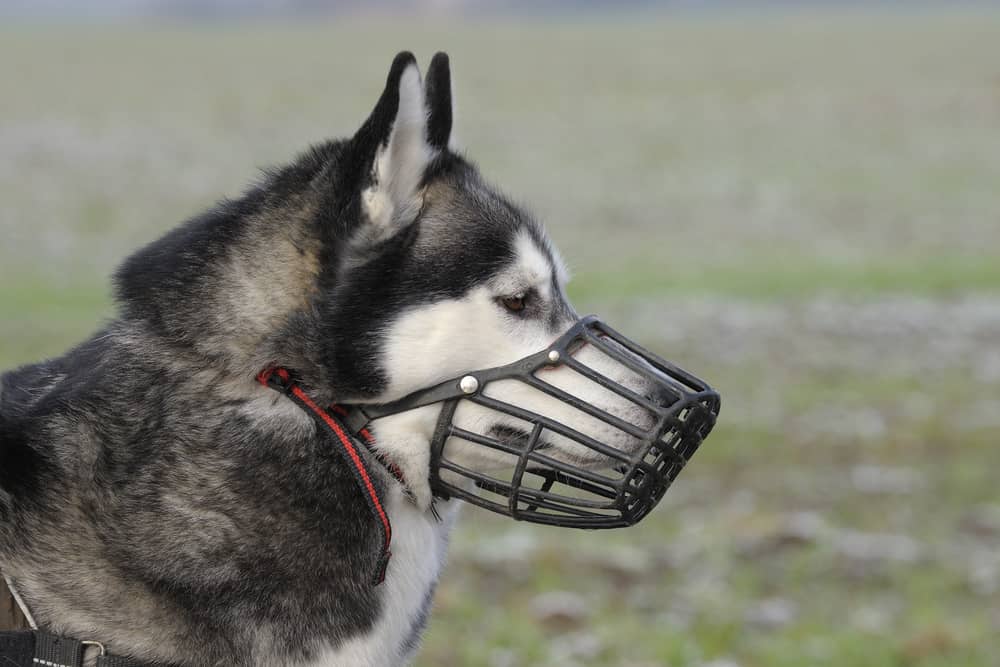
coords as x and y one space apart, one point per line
394 139
440 108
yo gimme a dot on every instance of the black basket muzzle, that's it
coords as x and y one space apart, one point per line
543 486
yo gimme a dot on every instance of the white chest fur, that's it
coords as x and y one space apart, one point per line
419 548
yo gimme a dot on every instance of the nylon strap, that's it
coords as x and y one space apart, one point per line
280 379
54 651
36 648
17 649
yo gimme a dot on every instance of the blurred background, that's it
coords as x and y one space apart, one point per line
797 201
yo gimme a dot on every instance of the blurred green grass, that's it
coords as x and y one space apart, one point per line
801 206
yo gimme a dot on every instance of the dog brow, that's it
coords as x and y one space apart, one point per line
535 261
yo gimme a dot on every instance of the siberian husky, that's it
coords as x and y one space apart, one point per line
159 496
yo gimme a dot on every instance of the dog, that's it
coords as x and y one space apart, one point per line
156 497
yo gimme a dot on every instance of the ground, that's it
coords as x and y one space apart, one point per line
802 207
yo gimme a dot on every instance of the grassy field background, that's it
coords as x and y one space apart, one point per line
803 207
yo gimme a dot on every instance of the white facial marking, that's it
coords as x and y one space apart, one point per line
444 340
531 270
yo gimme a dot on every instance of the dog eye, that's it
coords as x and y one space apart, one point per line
514 304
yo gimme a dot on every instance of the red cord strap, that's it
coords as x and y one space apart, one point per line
280 380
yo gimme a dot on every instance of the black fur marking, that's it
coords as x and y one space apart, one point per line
20 465
438 96
23 472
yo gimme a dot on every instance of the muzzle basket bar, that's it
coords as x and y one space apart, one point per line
610 486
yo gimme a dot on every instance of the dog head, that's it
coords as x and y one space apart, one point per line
444 275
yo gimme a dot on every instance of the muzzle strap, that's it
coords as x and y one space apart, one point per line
280 379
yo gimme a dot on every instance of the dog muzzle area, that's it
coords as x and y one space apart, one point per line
569 459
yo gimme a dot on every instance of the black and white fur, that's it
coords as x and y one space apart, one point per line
153 496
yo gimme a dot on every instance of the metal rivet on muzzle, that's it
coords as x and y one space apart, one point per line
468 384
553 356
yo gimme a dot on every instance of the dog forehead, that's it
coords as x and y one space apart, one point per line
531 266
533 261
468 222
